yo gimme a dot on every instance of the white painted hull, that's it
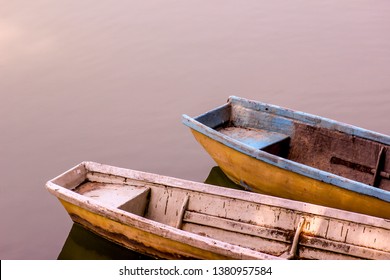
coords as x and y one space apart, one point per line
178 219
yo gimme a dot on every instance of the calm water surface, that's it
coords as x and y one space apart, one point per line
108 82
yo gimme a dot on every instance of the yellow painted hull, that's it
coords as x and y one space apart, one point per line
271 180
136 238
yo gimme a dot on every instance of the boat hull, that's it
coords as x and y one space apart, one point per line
171 218
135 238
295 155
260 176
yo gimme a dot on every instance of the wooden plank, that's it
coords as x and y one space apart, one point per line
182 211
347 232
244 211
358 250
115 195
256 138
325 149
247 117
267 246
217 117
370 237
285 220
138 203
234 226
71 178
343 248
165 205
308 253
105 178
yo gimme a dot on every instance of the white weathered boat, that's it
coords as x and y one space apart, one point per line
177 219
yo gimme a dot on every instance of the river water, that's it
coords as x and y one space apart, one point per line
107 81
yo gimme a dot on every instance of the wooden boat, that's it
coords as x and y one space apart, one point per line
294 155
83 244
177 219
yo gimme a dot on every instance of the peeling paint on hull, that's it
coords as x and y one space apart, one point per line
135 239
171 218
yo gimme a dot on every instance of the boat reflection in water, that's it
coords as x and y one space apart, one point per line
83 244
218 178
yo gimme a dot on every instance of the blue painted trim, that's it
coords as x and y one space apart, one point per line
286 164
310 119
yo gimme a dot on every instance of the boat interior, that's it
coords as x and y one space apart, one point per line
304 140
200 213
265 228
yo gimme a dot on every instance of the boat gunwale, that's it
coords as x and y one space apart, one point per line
284 163
271 201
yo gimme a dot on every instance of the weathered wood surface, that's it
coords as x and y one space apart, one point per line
141 210
338 153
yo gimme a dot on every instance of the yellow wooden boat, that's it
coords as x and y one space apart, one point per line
172 218
294 155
